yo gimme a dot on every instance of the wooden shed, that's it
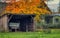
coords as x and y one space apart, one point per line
11 20
17 23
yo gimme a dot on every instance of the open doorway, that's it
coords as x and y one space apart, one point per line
21 23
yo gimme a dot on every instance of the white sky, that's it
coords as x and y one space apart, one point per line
53 5
53 2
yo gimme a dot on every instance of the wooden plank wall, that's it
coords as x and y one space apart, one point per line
4 23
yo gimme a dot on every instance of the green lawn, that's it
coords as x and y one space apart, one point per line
53 34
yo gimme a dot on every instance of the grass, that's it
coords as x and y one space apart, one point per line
53 34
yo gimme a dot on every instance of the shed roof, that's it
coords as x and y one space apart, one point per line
39 9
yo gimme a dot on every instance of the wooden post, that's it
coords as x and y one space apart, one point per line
1 25
31 26
5 23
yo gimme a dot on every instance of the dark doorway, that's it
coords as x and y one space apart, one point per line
26 22
48 19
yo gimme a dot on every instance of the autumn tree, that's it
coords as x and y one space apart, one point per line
36 7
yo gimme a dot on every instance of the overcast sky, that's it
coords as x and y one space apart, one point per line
53 2
53 5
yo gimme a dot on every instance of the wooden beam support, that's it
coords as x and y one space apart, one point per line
5 23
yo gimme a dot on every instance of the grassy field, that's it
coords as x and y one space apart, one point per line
53 34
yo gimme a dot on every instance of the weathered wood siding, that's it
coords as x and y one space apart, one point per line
4 23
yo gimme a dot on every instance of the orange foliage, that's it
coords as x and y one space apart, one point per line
25 7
